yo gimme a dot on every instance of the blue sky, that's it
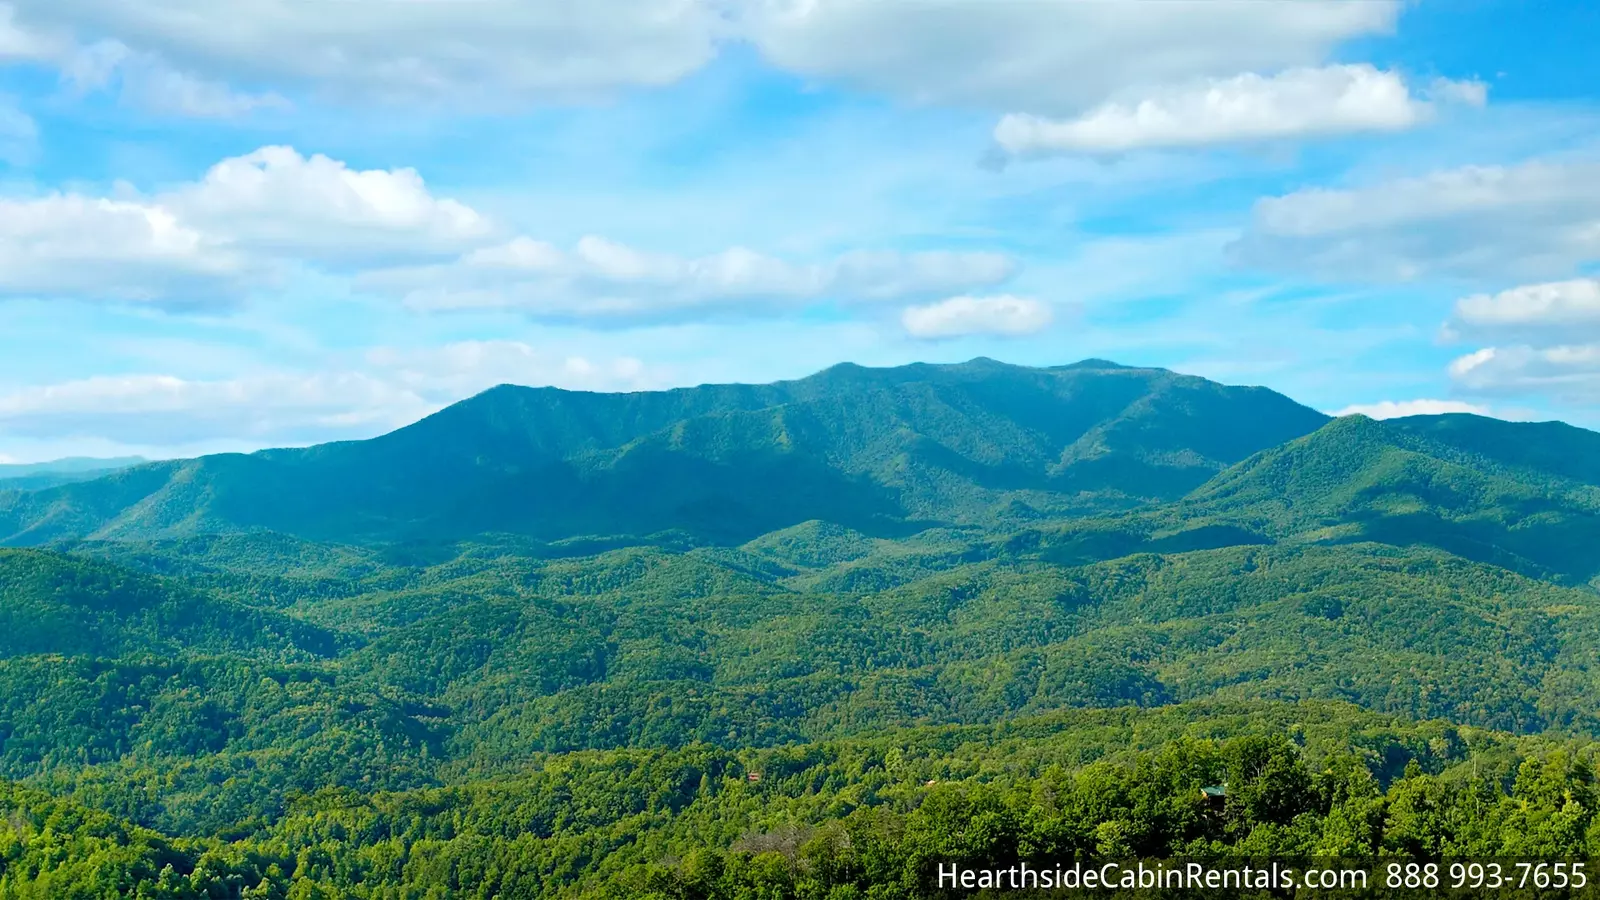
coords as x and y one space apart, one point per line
280 223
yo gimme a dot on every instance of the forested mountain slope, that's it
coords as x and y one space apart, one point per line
865 817
1519 495
872 448
59 604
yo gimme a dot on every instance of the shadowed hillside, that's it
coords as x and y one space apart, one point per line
1526 496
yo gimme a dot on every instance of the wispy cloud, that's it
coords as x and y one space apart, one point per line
388 388
1002 315
604 281
1536 218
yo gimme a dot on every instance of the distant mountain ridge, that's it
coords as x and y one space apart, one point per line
876 449
36 476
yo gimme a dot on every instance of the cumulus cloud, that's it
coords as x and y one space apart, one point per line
68 245
1002 315
205 242
1546 313
317 208
1395 409
1046 56
390 388
485 52
1537 219
1249 107
600 279
251 219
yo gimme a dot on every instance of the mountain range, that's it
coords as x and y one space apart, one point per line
878 450
1126 457
334 666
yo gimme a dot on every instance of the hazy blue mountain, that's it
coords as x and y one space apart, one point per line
36 476
880 450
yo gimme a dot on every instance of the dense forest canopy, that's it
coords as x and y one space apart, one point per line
801 640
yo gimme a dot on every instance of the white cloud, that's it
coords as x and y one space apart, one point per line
68 245
1551 312
279 201
250 219
1537 219
200 243
1395 409
1249 107
392 387
1002 315
1046 56
1570 373
483 52
600 279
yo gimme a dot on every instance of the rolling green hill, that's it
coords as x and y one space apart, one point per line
1525 496
875 449
71 606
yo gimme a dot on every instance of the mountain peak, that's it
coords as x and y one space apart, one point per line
1094 363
